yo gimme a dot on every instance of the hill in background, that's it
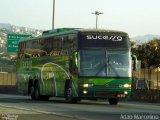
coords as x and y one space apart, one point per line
8 28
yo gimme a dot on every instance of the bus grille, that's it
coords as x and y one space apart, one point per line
105 94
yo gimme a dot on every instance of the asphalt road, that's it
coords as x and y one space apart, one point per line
17 107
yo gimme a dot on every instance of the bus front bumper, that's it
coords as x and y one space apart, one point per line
105 94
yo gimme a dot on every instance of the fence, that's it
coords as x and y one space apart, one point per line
7 78
146 85
146 95
8 82
150 76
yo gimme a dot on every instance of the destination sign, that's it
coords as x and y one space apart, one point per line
104 37
103 40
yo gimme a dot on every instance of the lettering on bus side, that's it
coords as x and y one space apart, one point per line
104 37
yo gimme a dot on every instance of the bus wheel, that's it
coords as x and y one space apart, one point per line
37 91
68 95
32 92
113 101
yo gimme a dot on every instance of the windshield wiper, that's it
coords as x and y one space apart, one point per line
101 70
113 69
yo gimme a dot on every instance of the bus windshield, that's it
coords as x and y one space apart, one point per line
104 63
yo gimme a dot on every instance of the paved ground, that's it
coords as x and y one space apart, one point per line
16 107
13 113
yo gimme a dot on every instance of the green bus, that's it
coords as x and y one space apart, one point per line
75 64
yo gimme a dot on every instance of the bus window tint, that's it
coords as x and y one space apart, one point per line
118 64
97 63
92 63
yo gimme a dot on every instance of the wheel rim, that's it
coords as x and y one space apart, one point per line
69 93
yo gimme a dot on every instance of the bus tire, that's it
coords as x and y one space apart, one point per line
32 92
31 89
69 95
113 101
37 91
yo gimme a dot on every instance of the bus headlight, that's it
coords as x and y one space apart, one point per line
125 92
86 85
85 92
127 85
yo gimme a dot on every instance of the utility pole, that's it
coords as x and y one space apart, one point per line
53 14
97 14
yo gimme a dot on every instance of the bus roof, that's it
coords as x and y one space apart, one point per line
101 31
62 31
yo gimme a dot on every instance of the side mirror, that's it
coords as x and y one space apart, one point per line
75 59
73 62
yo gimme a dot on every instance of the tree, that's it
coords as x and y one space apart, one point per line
134 48
149 54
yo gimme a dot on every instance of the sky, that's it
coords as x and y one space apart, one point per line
136 17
